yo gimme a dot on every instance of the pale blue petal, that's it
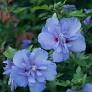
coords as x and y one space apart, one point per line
18 75
8 67
69 26
87 87
60 54
78 44
21 58
12 84
37 87
50 73
38 55
41 78
31 80
47 40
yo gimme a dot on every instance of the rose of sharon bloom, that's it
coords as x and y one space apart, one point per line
62 36
69 90
87 87
32 69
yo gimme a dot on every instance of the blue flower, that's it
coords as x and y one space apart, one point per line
87 87
32 69
88 20
69 90
26 43
62 36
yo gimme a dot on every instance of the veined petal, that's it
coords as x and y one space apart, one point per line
37 87
69 26
50 73
60 57
47 40
78 44
17 74
52 25
61 54
31 80
41 79
21 58
38 55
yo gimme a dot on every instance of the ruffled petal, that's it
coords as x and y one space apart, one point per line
19 77
47 40
50 73
21 58
37 87
78 44
52 25
61 54
69 26
38 55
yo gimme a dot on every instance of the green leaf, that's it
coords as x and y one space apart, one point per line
79 77
9 53
43 7
62 83
77 13
19 10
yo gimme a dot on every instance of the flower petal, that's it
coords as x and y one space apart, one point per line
50 73
52 25
17 74
37 87
78 44
31 80
21 58
38 55
69 26
61 54
41 79
47 40
8 67
12 84
87 87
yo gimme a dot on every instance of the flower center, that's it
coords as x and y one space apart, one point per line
56 39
